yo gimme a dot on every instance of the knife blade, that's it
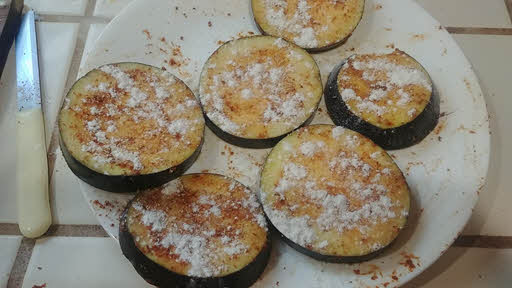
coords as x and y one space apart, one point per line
10 18
34 216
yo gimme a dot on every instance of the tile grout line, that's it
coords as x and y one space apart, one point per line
481 241
83 31
71 19
59 230
508 3
20 265
479 30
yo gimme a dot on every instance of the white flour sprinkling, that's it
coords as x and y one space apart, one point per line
404 97
371 107
179 126
193 243
247 93
173 187
337 132
322 244
292 172
310 148
280 43
125 155
398 76
126 83
217 114
138 107
348 94
283 105
194 250
298 24
375 155
351 141
236 248
296 229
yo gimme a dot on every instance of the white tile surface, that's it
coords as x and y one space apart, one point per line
468 13
93 34
68 204
54 67
8 144
491 57
59 7
10 245
56 46
80 262
109 8
468 268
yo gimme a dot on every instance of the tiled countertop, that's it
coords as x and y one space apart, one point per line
77 253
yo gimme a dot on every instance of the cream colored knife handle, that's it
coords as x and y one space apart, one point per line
34 216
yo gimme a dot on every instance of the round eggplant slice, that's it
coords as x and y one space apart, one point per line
256 90
200 230
389 98
333 194
315 25
129 126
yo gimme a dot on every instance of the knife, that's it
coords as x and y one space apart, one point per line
34 217
10 18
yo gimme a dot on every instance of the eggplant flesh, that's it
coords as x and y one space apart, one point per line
263 132
161 277
400 137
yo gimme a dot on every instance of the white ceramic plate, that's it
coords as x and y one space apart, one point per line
445 171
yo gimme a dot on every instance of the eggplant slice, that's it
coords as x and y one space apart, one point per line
200 230
389 98
333 194
255 90
312 24
130 126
